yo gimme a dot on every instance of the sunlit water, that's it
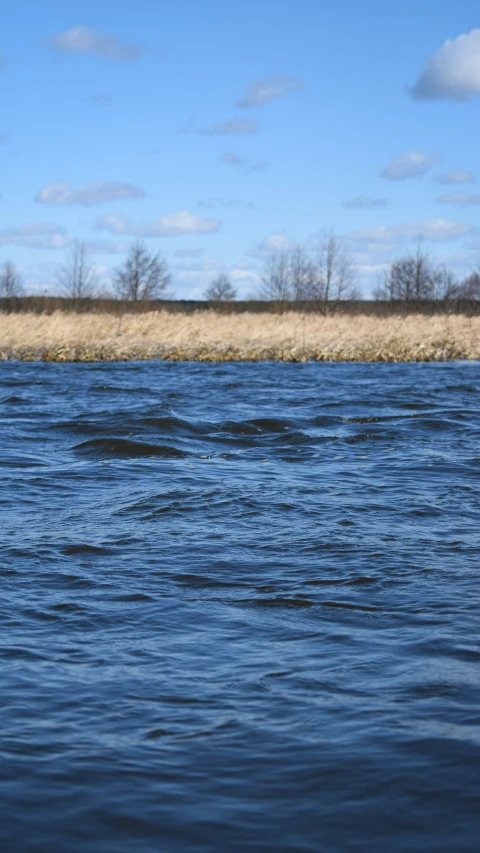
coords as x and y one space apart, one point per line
239 608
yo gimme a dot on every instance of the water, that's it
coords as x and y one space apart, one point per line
239 608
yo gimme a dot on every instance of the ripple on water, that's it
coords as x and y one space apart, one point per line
240 607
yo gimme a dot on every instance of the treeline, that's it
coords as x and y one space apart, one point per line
119 307
321 277
325 276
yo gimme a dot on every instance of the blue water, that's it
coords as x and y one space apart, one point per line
239 608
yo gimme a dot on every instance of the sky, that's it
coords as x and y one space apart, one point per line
218 131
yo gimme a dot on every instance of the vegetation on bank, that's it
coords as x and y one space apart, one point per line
215 336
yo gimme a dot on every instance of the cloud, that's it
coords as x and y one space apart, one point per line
410 165
435 230
460 176
259 166
192 277
232 159
105 247
35 235
363 201
452 72
261 92
277 242
188 253
198 267
235 160
233 127
462 199
5 137
92 194
170 225
82 39
100 100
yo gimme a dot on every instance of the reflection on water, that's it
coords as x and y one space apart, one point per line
239 607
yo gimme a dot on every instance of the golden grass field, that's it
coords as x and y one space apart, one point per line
213 336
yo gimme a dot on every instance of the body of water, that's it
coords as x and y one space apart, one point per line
239 608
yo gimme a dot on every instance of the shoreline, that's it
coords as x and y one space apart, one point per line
215 337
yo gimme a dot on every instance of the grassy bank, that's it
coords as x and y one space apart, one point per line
212 336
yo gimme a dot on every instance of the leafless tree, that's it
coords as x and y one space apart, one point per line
324 275
446 285
220 290
469 288
335 273
10 281
275 277
410 279
142 276
77 277
301 274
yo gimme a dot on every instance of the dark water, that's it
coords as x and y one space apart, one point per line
239 608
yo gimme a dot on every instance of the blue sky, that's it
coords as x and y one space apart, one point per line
217 131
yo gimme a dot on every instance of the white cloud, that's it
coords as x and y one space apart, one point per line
243 276
363 201
462 199
410 165
233 127
277 242
105 247
189 253
452 72
92 194
232 159
434 230
261 92
199 267
170 225
192 277
460 176
82 39
35 235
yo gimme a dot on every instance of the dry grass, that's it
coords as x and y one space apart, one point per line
210 336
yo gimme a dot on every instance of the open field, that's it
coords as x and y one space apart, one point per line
213 336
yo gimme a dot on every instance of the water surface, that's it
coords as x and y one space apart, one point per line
239 608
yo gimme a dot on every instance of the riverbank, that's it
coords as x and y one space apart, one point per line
213 336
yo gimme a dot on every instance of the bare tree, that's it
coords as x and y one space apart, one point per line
275 284
324 275
77 276
10 281
446 284
469 288
142 276
301 274
335 273
220 290
411 279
